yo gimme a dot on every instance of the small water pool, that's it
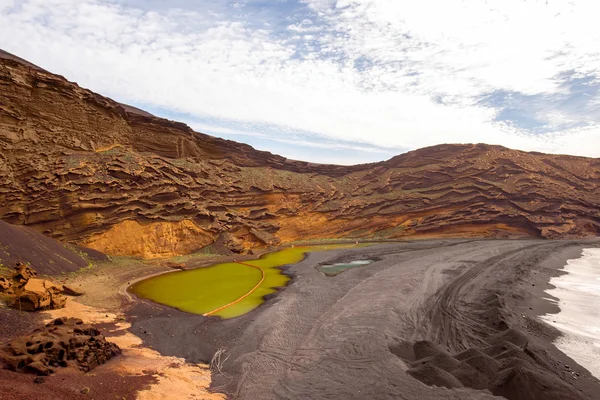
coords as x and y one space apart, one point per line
204 290
335 269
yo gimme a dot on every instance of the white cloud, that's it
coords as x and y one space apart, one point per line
219 130
384 72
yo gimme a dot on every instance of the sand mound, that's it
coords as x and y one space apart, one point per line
522 383
443 360
481 361
511 335
510 373
495 318
514 353
499 348
425 348
434 376
404 350
509 367
513 362
493 300
470 377
472 352
484 364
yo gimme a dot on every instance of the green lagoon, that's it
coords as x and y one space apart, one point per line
203 290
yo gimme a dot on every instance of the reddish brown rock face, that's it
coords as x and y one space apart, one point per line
82 168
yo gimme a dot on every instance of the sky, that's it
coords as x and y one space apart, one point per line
334 81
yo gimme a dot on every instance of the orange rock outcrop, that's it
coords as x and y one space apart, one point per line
24 291
85 169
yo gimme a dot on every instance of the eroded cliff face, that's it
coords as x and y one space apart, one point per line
82 168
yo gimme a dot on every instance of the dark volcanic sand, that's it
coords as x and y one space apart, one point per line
45 255
14 323
330 338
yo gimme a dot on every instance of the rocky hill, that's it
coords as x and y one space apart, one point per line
85 169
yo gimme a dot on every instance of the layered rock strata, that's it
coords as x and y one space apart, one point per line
82 168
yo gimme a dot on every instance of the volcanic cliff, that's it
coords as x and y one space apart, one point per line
85 169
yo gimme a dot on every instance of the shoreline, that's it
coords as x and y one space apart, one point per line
147 315
284 269
541 305
535 303
169 334
300 306
578 308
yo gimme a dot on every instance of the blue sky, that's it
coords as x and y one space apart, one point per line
336 81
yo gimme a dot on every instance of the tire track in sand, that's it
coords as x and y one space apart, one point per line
452 316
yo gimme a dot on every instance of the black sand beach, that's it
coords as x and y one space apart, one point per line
355 336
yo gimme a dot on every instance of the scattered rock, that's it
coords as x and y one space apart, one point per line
5 285
39 379
23 273
23 291
265 237
38 368
85 390
230 242
178 266
63 341
70 292
38 294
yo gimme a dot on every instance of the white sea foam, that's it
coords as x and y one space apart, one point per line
579 317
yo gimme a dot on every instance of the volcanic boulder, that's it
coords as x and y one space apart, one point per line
63 342
39 294
25 292
23 273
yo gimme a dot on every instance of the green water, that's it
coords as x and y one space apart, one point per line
203 290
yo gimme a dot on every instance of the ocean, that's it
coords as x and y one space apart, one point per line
578 294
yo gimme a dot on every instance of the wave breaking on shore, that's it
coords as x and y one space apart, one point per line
578 294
